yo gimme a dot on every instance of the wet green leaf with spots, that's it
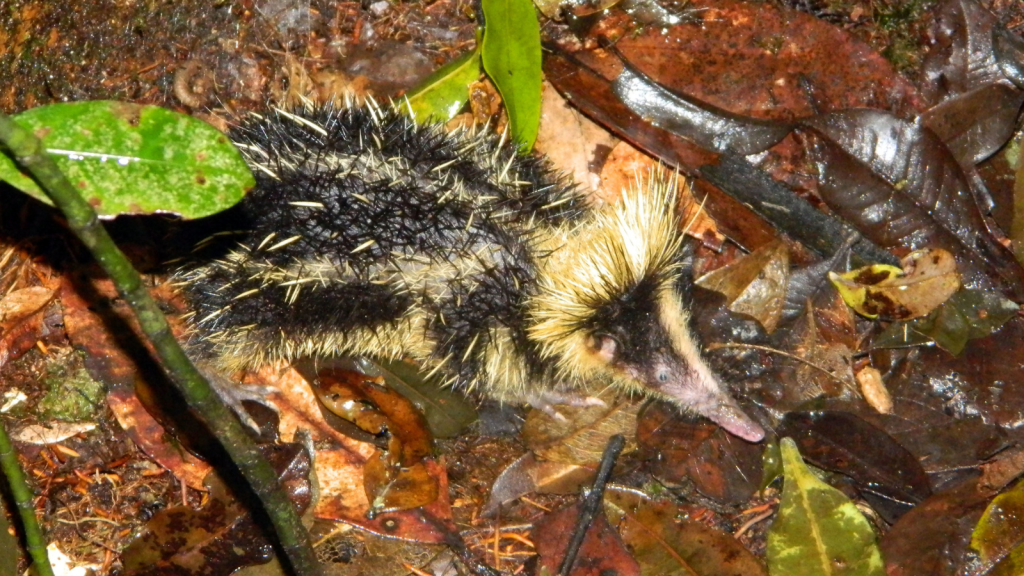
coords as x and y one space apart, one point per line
131 159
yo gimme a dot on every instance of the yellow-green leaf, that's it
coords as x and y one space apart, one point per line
511 57
999 535
927 279
444 93
818 531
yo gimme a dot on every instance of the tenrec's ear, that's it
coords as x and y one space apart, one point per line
604 346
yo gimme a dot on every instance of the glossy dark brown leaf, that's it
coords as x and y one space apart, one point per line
932 539
984 380
721 466
900 186
942 444
707 125
960 57
885 472
1009 49
975 124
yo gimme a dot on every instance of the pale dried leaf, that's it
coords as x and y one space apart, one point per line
52 432
573 143
21 303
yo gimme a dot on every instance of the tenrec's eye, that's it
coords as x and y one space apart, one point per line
605 346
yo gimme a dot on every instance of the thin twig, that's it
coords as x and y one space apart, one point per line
30 155
592 502
24 500
780 353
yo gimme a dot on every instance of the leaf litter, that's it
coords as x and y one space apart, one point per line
965 111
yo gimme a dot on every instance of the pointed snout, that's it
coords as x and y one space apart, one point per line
728 415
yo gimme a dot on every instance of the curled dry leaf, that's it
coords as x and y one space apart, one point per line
581 436
340 464
927 280
398 478
754 285
528 474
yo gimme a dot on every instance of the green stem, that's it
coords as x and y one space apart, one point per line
24 500
28 151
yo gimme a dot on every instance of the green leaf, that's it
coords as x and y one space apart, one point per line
771 464
133 159
968 314
511 57
818 531
999 536
444 93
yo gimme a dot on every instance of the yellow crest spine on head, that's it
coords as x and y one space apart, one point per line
636 239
